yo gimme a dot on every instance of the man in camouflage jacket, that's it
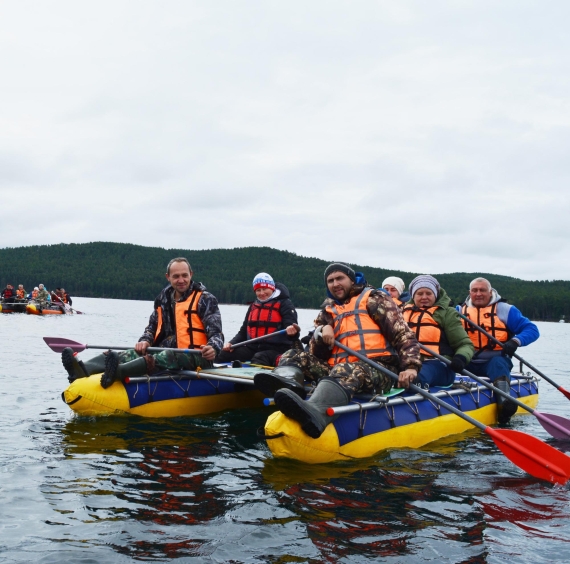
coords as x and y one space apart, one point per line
338 383
137 361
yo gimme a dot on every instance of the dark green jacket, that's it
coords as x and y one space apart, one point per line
452 327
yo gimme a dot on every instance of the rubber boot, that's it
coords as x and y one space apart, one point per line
282 377
77 368
116 371
312 414
505 408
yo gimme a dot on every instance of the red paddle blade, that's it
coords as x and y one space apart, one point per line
532 455
565 392
556 425
57 344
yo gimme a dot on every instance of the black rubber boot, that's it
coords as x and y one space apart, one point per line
94 365
72 364
312 414
116 371
282 377
505 408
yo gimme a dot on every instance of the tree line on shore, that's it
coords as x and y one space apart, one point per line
125 271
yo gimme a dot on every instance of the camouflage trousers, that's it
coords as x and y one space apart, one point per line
355 377
167 360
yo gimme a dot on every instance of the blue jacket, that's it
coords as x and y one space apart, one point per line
524 331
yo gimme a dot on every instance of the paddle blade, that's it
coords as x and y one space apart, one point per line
57 344
556 425
532 455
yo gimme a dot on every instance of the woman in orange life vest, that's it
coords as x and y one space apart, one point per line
271 311
20 292
35 293
437 326
396 288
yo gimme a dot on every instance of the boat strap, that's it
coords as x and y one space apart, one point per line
71 402
261 434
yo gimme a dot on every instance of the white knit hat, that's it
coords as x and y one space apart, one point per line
398 283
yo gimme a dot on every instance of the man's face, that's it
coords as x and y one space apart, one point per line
21 287
480 294
180 276
41 286
263 293
339 285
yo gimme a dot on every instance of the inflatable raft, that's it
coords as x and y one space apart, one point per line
13 307
406 421
172 396
50 309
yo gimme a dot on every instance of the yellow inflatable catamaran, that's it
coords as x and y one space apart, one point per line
405 421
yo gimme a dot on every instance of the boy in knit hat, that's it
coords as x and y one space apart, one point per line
272 311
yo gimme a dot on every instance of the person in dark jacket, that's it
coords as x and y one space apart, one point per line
272 311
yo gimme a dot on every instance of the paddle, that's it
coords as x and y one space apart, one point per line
243 343
496 341
557 426
535 457
57 344
66 306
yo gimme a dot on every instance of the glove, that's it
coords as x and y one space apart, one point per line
510 347
458 363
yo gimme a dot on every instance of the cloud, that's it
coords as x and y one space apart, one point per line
414 136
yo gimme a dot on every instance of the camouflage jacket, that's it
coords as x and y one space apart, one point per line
208 311
387 315
43 296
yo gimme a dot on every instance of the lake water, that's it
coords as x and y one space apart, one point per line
208 490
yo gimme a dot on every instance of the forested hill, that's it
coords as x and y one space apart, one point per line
117 270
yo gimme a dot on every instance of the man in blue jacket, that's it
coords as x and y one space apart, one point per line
507 324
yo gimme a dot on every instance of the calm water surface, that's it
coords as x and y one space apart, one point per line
208 490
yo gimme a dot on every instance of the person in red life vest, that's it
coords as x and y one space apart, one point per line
485 307
360 317
8 293
272 311
395 286
436 325
185 316
20 292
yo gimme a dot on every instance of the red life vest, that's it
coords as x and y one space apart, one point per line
487 318
264 318
8 293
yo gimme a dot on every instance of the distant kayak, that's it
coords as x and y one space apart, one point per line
34 308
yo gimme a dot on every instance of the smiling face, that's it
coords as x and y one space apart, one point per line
263 293
424 297
392 291
180 277
339 285
480 294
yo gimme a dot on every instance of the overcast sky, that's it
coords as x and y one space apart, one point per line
422 136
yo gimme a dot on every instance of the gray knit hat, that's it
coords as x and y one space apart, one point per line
340 267
424 281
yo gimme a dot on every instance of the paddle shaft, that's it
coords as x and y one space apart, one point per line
149 349
495 434
244 343
188 375
496 341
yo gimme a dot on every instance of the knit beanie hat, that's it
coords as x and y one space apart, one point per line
340 267
424 281
263 280
398 283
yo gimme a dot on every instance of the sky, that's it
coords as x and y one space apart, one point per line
420 136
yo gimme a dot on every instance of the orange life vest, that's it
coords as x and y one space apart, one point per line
190 332
35 294
21 294
427 330
354 328
487 318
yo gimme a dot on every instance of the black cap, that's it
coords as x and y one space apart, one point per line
340 267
